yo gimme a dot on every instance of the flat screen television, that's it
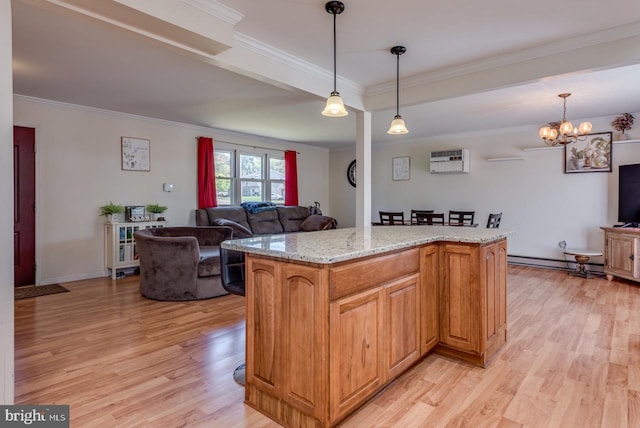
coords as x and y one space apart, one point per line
629 195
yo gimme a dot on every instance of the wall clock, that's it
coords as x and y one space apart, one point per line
351 173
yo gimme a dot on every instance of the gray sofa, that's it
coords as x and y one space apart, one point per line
282 219
181 263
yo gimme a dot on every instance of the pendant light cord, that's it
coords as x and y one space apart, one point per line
334 52
398 85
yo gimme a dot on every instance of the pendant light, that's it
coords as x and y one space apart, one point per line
397 124
335 106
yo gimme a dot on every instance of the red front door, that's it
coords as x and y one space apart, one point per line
24 199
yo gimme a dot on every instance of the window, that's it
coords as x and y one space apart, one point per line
276 179
244 177
223 161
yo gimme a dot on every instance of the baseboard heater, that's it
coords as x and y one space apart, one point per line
542 262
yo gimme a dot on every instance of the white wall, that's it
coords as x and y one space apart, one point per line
541 203
6 218
343 195
78 170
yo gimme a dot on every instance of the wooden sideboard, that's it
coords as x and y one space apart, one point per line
622 253
324 338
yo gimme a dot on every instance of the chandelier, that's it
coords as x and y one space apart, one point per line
564 132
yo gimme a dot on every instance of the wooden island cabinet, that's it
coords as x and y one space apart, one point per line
473 301
322 338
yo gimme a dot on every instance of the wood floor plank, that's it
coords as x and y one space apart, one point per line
572 359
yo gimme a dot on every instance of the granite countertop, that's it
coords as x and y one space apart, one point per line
331 246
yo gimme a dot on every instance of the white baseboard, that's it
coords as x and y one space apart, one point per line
69 278
567 265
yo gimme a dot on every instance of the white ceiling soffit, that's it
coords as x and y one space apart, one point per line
184 27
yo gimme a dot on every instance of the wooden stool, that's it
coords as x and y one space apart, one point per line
582 257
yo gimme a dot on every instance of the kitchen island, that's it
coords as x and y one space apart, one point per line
334 316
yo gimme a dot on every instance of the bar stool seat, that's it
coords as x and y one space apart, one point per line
582 257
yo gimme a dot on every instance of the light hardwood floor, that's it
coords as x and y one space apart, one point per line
572 359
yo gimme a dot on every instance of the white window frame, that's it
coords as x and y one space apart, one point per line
235 192
269 181
232 173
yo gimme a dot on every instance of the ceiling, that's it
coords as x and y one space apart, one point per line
469 66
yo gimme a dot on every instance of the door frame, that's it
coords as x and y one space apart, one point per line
38 172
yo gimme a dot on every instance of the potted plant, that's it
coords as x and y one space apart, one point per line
622 123
111 211
156 210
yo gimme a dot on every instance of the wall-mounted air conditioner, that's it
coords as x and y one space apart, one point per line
449 161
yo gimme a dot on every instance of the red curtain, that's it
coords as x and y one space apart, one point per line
206 174
290 178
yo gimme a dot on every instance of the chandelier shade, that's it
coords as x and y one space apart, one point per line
564 132
398 127
335 105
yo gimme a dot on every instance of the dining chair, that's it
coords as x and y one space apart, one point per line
388 217
430 218
494 221
461 218
414 219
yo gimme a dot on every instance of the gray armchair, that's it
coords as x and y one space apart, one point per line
181 263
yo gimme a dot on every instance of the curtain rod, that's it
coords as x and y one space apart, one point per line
252 146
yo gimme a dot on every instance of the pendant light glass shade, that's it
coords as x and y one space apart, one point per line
398 126
335 105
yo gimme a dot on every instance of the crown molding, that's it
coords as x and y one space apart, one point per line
536 52
216 9
288 60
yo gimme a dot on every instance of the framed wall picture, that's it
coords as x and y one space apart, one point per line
135 154
401 168
590 155
134 213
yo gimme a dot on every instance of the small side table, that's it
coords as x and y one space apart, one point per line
582 257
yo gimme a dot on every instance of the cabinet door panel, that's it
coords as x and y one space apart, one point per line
304 339
501 270
356 368
429 298
494 290
263 323
620 250
402 324
460 297
491 293
622 255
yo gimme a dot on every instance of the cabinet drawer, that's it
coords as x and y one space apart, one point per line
359 276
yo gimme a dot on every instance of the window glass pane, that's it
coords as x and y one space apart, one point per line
223 190
277 192
251 167
276 169
222 161
251 191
